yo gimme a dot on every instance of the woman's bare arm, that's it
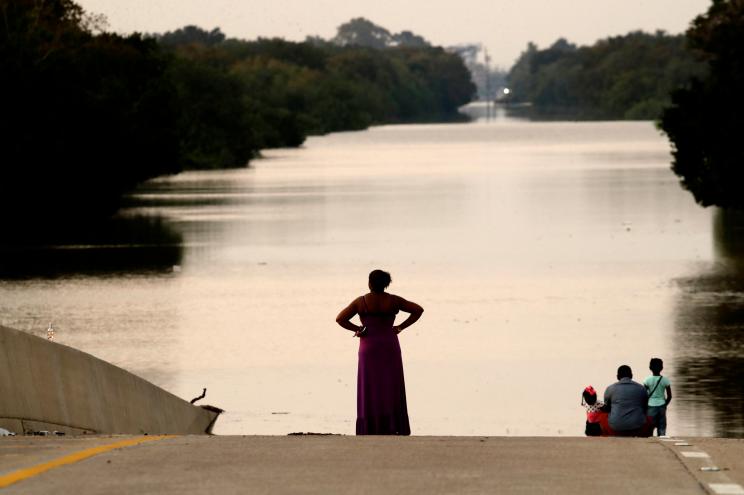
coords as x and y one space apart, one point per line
414 311
347 314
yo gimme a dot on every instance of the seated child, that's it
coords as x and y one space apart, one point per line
595 417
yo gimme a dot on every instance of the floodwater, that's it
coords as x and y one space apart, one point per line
545 255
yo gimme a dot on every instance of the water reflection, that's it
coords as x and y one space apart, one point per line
133 244
709 343
99 285
535 247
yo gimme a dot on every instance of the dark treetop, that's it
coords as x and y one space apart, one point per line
707 117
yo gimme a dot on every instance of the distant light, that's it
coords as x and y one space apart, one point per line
507 91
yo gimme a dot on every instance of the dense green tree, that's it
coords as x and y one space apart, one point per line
706 119
362 32
84 117
444 75
292 89
622 77
191 34
215 128
305 54
407 38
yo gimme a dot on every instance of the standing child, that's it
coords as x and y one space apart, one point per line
659 390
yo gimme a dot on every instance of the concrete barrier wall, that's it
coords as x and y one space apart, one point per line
48 385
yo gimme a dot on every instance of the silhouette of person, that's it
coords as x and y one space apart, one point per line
381 391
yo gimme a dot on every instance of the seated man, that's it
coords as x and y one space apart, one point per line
627 402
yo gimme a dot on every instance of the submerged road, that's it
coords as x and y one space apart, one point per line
369 465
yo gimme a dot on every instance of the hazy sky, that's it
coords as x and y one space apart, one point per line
503 26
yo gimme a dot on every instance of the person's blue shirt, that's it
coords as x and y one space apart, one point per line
627 401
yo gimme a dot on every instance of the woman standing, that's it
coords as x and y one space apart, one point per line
381 390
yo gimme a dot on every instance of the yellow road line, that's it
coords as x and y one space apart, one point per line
26 473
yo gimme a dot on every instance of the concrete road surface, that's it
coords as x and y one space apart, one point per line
368 465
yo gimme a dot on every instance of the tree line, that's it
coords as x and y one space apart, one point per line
87 115
620 77
250 95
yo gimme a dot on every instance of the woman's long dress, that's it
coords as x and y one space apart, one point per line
381 390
